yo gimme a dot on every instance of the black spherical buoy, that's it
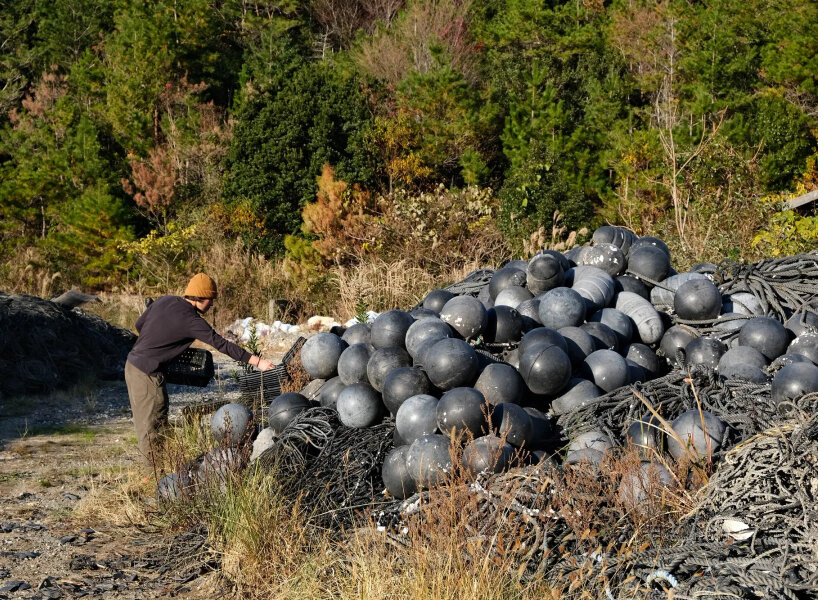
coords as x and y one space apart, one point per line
647 435
320 354
604 337
579 344
791 359
451 363
561 258
423 330
607 369
504 278
231 423
645 357
649 262
591 440
513 296
618 236
636 373
500 383
744 372
705 351
578 393
618 321
382 362
546 369
637 488
462 411
705 267
607 257
649 240
353 362
504 324
802 322
545 272
437 299
513 423
359 333
674 339
794 381
806 345
742 355
389 329
543 433
416 417
359 405
328 396
697 299
562 307
530 314
766 335
695 434
742 303
542 335
626 283
402 383
284 409
594 285
487 453
421 313
429 460
466 315
399 483
173 487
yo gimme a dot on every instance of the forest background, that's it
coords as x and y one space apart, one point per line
340 153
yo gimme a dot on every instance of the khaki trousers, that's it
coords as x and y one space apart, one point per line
149 403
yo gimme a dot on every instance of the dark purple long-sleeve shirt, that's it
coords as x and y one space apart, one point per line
167 328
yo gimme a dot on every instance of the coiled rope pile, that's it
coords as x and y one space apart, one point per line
783 286
747 408
45 346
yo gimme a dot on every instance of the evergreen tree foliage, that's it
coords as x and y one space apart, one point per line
285 135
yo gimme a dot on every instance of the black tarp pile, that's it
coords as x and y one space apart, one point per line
45 346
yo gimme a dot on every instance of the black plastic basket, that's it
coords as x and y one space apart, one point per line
268 384
192 367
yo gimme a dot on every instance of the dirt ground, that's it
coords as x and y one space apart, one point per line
59 455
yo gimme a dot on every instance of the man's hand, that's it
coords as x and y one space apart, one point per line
261 363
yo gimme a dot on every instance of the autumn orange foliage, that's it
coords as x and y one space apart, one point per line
344 218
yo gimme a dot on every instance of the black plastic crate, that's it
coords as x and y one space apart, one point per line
193 367
268 384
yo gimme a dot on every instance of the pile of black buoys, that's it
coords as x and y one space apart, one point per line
491 371
485 375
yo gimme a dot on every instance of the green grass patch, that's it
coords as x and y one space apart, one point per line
83 433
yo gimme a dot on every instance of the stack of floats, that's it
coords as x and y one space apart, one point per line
558 362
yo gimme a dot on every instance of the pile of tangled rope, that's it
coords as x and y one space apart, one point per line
783 287
334 470
46 346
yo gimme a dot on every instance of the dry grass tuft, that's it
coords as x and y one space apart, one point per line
384 286
117 496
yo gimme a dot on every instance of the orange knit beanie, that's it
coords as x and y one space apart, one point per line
201 286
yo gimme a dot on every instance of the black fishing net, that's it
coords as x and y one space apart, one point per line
45 346
334 469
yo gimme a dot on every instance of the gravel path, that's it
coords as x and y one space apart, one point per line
55 452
